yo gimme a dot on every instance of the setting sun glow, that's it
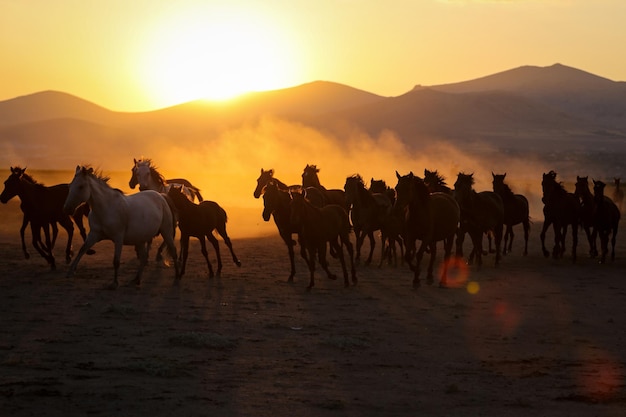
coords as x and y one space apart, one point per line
193 57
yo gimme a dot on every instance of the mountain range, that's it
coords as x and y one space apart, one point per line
554 112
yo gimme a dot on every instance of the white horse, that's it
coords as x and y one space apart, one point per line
125 219
145 174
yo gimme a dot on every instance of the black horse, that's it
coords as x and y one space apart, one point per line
587 212
200 220
332 196
368 212
43 208
606 220
516 211
430 218
319 226
277 204
561 209
481 212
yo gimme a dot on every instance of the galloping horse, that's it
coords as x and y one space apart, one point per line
277 204
334 196
516 211
42 207
560 210
199 220
481 212
393 224
587 212
318 226
368 212
606 220
146 175
430 217
126 220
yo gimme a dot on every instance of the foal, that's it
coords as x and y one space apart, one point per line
199 220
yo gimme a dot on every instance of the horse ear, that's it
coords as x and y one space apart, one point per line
398 175
77 169
493 175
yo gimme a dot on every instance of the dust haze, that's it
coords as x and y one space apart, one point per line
225 167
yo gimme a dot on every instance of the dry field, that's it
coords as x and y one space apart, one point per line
534 336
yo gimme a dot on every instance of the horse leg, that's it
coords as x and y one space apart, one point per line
574 240
460 238
78 219
431 263
477 242
370 234
205 253
310 258
216 246
447 253
69 228
613 238
184 253
418 259
221 229
39 246
142 252
91 240
345 240
498 241
25 222
290 244
339 251
321 256
526 225
542 236
359 236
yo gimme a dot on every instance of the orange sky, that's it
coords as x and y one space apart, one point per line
147 54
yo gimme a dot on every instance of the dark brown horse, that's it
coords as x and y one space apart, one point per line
429 217
481 212
393 225
319 226
333 196
606 220
561 209
43 208
368 212
277 204
516 211
587 212
200 220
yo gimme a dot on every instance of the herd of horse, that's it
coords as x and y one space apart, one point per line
314 217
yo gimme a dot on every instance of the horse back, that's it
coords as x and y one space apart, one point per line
147 214
446 214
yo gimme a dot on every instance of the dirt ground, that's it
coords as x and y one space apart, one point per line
533 336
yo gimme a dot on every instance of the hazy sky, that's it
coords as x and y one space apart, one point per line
147 54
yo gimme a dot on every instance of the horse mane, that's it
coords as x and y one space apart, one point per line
358 178
26 176
506 190
95 173
470 176
440 180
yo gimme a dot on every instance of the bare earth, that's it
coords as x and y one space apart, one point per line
539 337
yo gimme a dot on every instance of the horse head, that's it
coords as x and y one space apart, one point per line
352 186
598 190
12 185
309 176
262 181
79 188
463 187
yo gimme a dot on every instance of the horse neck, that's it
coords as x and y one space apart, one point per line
101 195
29 191
364 196
505 191
313 181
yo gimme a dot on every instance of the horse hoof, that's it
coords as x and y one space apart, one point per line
238 262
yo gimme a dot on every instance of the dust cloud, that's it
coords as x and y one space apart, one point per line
226 167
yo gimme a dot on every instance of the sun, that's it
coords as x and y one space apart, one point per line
216 56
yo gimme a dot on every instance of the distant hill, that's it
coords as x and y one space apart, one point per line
536 108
